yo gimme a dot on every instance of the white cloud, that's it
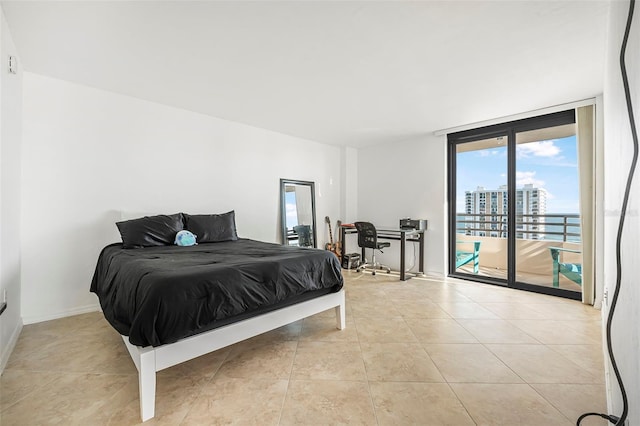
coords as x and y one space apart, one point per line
524 178
538 149
488 153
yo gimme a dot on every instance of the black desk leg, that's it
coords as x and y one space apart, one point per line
421 244
403 241
342 246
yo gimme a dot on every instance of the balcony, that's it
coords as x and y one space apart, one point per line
534 264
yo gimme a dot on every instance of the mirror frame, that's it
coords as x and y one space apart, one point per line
283 208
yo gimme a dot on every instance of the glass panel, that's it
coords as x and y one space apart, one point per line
548 246
481 207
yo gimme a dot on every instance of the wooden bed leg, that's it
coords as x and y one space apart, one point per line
340 315
147 384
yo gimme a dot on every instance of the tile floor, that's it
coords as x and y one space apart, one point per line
422 352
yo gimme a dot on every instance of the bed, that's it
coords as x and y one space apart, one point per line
172 304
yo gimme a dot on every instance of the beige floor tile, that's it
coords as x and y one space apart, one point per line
378 308
470 363
76 370
589 357
487 293
258 360
496 331
64 326
328 361
399 362
412 308
323 329
489 297
384 330
327 403
408 292
574 400
564 309
287 332
467 311
513 311
417 404
32 345
79 353
591 327
539 364
378 281
439 331
507 404
203 366
238 401
557 332
529 297
102 356
18 384
71 399
99 326
448 296
175 396
364 294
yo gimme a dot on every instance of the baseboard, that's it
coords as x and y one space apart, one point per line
8 349
94 307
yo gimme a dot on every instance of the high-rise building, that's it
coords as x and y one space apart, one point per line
489 208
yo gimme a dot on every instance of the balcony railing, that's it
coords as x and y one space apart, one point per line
552 227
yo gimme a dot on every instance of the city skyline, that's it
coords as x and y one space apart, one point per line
551 165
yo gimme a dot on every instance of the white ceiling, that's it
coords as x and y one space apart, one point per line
344 73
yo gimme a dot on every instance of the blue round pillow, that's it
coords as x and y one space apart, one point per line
185 238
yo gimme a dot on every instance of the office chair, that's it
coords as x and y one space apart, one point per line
304 235
368 238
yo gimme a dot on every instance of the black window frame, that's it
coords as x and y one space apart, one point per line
508 129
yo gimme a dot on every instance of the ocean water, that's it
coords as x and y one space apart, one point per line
552 224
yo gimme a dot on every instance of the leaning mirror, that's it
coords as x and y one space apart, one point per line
298 213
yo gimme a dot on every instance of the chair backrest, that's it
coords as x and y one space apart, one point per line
304 235
367 234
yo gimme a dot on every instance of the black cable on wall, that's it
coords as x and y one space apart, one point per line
623 212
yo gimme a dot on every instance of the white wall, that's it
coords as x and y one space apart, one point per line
405 179
618 153
10 135
88 154
349 169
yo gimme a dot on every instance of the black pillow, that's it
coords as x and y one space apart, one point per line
212 228
150 231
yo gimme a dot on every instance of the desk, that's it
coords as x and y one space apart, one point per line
391 233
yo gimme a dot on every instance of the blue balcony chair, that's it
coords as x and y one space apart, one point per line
573 271
464 257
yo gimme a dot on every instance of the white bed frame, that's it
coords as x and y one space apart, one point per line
149 360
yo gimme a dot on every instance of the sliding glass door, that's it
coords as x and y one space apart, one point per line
482 206
547 208
514 210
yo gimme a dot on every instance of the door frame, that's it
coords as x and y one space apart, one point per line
508 129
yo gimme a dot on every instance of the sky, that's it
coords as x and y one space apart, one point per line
291 211
550 164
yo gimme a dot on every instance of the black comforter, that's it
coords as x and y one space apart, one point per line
158 295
